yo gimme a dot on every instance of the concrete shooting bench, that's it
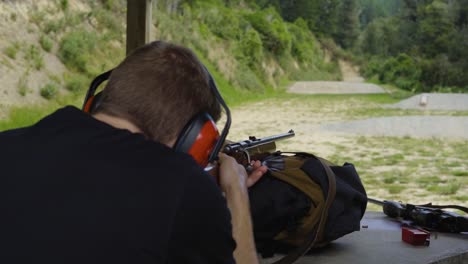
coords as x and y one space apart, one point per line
379 242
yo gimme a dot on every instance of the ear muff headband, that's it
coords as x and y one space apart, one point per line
219 144
91 100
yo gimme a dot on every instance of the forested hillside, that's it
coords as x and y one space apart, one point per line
251 45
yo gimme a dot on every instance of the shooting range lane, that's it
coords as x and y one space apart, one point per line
381 242
434 101
455 127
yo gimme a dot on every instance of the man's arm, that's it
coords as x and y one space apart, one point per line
235 182
202 229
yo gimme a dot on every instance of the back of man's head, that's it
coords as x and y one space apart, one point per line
159 87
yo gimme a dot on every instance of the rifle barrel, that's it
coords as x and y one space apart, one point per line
374 201
253 142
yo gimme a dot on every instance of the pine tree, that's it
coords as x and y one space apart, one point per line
348 24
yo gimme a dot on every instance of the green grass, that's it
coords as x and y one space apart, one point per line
76 83
34 57
53 26
403 167
462 198
430 180
13 17
23 84
37 16
64 5
6 62
395 189
460 173
12 50
444 189
28 115
49 90
46 43
389 180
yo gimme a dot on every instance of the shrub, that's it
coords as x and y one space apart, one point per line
303 42
37 17
251 48
403 71
34 56
53 26
274 32
64 5
46 43
75 83
246 79
372 68
108 4
223 22
12 50
440 72
75 48
23 84
108 20
49 91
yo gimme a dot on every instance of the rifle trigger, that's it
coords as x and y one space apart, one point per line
247 155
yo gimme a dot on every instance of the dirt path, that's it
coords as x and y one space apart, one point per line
350 73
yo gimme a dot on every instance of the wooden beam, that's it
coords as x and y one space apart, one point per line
139 19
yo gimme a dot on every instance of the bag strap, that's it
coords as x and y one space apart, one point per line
314 239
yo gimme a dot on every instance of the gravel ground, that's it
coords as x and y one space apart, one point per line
414 126
323 87
435 101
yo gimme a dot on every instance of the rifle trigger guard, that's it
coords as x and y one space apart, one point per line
248 168
247 155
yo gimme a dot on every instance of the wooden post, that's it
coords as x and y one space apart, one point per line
138 23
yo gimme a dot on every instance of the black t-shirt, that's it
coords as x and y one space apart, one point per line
76 190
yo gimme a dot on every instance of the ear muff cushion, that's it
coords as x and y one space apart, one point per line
92 103
198 138
88 104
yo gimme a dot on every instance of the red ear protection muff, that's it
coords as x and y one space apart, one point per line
199 138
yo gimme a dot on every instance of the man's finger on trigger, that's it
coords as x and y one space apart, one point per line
255 164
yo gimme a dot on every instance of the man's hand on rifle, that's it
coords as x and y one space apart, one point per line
234 175
258 170
235 182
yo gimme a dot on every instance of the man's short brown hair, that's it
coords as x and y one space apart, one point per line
159 87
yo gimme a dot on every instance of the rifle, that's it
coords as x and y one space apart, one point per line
427 216
243 151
